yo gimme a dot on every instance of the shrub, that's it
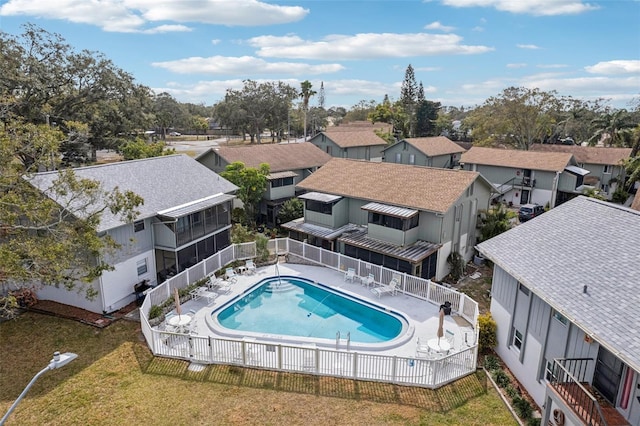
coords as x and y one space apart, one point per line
155 311
522 407
456 262
487 333
262 251
491 363
511 391
533 421
501 378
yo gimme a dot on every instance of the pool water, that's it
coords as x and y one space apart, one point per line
296 307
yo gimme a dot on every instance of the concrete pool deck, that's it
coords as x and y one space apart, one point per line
421 315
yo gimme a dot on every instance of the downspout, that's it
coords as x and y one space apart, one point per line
554 190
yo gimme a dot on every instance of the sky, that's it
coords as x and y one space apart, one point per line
462 51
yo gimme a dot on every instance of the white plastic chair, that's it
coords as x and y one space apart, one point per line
368 280
391 288
251 267
230 275
350 274
422 348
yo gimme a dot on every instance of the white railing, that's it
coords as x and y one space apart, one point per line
429 373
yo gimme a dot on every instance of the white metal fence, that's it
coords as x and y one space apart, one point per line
429 373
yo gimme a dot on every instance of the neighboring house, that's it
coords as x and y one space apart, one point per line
288 165
522 177
407 218
185 218
359 144
636 202
361 125
565 299
438 151
606 172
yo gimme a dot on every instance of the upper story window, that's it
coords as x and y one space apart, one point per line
557 315
320 207
412 159
523 289
138 226
470 189
398 157
276 183
607 169
393 222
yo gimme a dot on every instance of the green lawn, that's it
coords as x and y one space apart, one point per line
116 381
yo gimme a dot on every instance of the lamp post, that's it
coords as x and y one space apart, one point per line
59 360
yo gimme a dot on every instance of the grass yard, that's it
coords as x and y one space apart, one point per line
116 381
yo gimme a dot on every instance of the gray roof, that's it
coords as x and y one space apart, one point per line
389 210
583 242
413 253
163 182
319 196
319 231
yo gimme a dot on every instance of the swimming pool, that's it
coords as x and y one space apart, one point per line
293 306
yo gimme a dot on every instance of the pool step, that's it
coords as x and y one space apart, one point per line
279 287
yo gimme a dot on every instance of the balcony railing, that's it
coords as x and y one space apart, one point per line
568 379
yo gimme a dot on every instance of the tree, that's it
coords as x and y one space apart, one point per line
50 237
495 222
614 128
426 118
306 93
251 184
290 210
408 97
168 112
518 117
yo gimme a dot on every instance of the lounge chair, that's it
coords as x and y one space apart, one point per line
350 274
422 349
391 288
230 275
223 286
251 267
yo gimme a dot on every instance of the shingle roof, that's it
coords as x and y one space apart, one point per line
359 126
434 146
587 154
163 182
572 246
422 188
280 157
354 139
548 161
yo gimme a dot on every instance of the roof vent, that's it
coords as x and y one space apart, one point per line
584 289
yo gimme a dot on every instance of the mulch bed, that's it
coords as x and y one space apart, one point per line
71 312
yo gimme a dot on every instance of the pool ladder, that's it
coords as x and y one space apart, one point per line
338 338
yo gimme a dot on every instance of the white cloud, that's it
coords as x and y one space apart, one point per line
216 41
243 65
531 7
438 26
520 65
134 15
615 67
552 66
527 46
427 69
477 29
364 46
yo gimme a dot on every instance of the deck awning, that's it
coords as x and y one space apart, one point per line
195 206
318 231
577 170
413 253
320 196
388 210
281 175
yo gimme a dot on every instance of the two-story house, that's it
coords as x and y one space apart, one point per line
606 172
288 164
359 144
185 218
565 299
438 151
407 218
521 177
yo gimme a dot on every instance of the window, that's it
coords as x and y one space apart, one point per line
142 266
412 159
605 188
470 189
328 149
607 169
317 206
398 157
276 183
138 226
561 318
393 222
523 289
548 371
517 339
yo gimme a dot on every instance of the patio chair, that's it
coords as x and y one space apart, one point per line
368 280
448 334
251 267
223 287
422 348
350 274
230 275
391 288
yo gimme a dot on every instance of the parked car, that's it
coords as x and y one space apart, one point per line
175 134
529 211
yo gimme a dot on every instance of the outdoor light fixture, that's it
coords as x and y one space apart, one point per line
59 360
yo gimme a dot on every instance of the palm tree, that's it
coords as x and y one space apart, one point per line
306 93
614 126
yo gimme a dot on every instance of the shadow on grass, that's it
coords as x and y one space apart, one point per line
439 400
